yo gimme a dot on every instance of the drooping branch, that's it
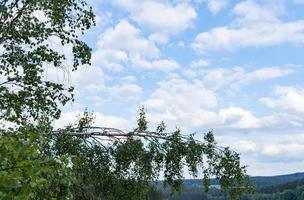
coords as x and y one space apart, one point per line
115 134
142 155
176 151
109 132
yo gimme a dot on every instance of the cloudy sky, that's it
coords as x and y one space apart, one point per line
234 67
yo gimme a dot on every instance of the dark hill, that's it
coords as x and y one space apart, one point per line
285 187
257 180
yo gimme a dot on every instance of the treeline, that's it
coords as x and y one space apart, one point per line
290 190
280 187
286 194
274 180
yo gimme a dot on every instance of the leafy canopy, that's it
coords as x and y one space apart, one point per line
29 100
27 171
27 30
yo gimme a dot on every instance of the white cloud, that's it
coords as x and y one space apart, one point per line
236 77
124 44
109 58
282 148
267 73
220 77
289 98
160 16
159 38
290 149
182 103
184 90
251 12
256 25
126 37
160 64
244 145
126 91
41 16
101 120
187 104
129 79
86 79
192 104
200 63
181 44
102 18
89 78
216 5
239 118
282 152
279 120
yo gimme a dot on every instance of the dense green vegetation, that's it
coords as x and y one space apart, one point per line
80 161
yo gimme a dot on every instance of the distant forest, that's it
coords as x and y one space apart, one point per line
285 187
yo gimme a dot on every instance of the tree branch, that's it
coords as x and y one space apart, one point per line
119 135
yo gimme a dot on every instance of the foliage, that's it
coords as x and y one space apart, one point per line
113 164
27 172
27 99
27 28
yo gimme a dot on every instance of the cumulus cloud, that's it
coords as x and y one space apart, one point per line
190 104
159 38
125 37
200 63
282 120
216 5
129 79
160 16
286 97
236 77
86 79
239 118
244 145
282 148
124 44
160 64
256 25
193 106
126 91
100 120
283 153
267 73
111 59
181 102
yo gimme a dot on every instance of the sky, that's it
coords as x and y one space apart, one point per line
234 67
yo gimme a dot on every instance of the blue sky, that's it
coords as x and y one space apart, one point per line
234 67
